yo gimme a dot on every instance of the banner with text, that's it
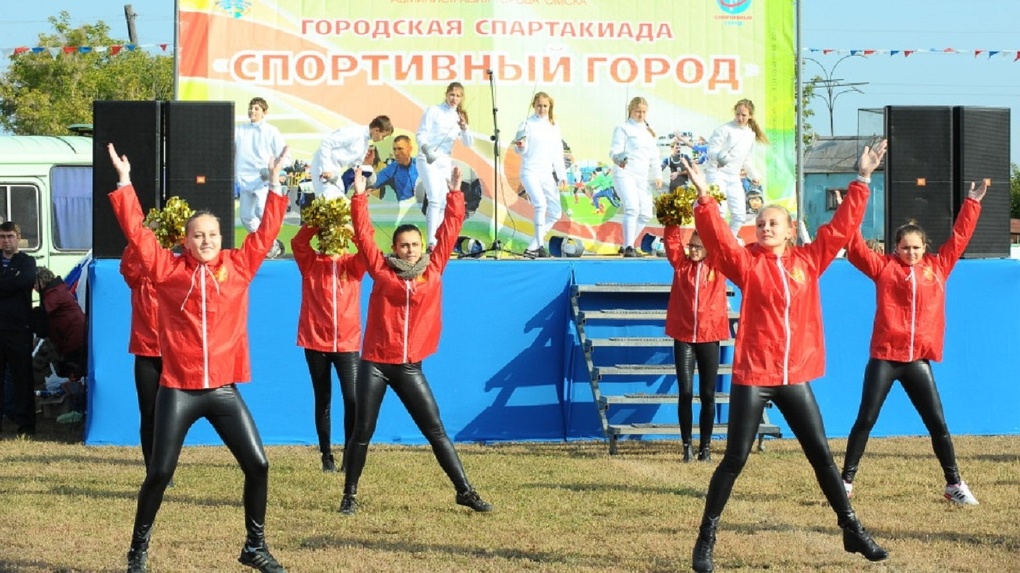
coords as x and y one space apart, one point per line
325 65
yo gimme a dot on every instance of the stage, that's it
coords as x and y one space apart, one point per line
509 367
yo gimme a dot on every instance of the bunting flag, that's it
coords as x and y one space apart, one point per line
55 51
989 54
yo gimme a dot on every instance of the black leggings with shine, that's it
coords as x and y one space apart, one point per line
224 408
919 384
346 366
147 372
409 384
706 356
799 408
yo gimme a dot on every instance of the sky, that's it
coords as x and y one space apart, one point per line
922 78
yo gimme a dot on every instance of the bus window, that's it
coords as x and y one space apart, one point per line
71 189
20 203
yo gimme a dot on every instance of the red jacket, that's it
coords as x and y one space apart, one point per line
144 339
404 316
203 308
779 337
697 309
910 313
65 318
330 318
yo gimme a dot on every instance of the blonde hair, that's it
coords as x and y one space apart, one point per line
460 106
791 241
552 104
634 102
759 133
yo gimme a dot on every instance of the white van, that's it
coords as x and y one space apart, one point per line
46 188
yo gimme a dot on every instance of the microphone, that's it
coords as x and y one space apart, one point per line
489 71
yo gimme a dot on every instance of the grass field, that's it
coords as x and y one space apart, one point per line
559 507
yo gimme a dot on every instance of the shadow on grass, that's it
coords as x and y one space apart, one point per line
493 555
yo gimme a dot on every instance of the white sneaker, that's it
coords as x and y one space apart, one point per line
849 487
276 250
960 493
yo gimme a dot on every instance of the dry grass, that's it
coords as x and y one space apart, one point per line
66 507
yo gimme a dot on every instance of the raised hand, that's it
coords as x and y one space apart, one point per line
360 183
276 164
454 182
871 158
696 176
978 193
120 163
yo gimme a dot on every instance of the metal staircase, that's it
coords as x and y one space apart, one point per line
631 313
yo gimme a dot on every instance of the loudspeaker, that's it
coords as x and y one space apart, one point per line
200 159
919 171
982 152
133 127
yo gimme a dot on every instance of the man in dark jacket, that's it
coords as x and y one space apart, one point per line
17 277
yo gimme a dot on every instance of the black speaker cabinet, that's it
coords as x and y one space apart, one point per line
134 129
982 152
200 158
919 171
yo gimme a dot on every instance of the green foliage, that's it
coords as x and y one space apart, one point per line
1014 191
42 95
808 92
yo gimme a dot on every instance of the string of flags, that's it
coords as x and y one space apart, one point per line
1015 54
55 51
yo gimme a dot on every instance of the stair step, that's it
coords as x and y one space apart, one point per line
621 288
647 398
646 370
630 314
637 341
635 429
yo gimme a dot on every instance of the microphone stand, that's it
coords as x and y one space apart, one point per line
497 190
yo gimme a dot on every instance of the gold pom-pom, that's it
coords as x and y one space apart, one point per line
333 218
168 223
676 207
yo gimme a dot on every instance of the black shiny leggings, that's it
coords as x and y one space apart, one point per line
224 408
346 366
147 372
409 384
919 384
799 408
706 355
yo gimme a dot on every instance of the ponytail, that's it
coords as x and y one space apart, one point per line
759 133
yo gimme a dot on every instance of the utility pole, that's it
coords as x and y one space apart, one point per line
830 85
129 15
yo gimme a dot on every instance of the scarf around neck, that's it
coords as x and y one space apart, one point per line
406 270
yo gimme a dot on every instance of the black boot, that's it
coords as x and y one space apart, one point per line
328 465
701 561
688 452
857 540
704 454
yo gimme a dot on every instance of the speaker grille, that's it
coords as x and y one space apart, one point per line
200 159
982 152
920 149
134 129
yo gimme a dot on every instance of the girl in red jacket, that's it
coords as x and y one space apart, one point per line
779 346
144 344
910 323
329 329
697 319
404 322
203 314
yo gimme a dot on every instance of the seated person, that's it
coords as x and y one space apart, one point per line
63 323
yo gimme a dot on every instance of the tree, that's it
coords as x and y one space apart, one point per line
807 130
42 95
1014 191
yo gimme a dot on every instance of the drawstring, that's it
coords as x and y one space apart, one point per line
197 270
